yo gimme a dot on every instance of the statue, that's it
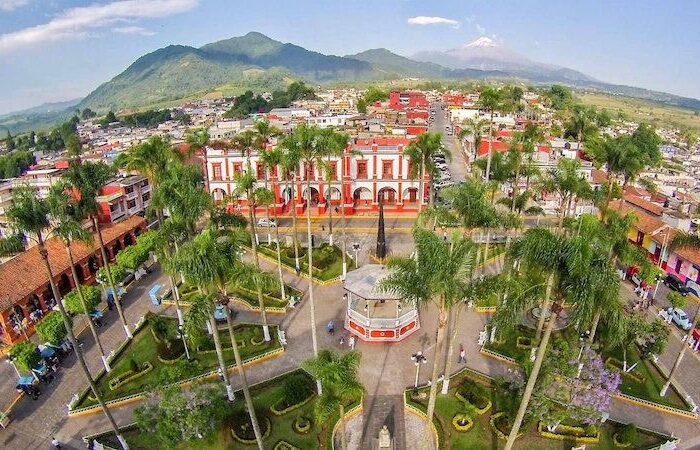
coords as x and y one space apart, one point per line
384 438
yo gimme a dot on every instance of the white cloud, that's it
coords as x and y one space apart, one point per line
433 20
76 22
11 5
480 29
134 30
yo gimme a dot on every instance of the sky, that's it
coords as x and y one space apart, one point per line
53 50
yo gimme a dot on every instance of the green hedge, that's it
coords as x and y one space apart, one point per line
128 376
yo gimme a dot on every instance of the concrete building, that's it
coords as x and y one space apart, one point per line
124 197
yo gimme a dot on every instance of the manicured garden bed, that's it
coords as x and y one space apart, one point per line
143 350
328 260
307 435
271 298
481 435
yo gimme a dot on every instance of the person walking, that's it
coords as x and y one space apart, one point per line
462 354
55 444
352 342
444 235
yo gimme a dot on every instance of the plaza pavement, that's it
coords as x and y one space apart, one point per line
386 369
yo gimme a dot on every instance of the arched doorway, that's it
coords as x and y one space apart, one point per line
18 312
315 196
128 240
218 195
362 196
387 195
79 273
333 194
115 249
92 265
64 283
410 195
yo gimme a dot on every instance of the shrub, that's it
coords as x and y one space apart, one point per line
134 365
91 294
590 430
170 350
627 434
302 425
242 427
159 326
25 355
296 389
52 329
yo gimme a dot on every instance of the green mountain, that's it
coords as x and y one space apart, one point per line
386 61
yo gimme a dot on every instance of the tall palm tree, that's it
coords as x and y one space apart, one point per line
437 276
573 267
338 375
245 184
266 157
688 241
68 227
87 178
30 215
490 100
333 145
420 153
565 181
528 140
474 127
272 159
197 138
290 167
304 142
581 124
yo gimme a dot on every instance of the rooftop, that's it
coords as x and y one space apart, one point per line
363 282
25 273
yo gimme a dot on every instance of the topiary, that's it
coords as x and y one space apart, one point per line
627 434
296 389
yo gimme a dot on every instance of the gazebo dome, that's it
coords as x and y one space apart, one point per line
364 282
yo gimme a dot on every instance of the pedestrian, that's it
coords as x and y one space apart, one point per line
341 340
331 327
352 343
298 270
444 235
55 443
462 354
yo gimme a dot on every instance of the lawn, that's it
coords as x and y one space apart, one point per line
648 390
143 348
271 298
328 260
482 436
264 396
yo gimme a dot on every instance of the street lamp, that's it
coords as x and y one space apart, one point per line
356 247
417 359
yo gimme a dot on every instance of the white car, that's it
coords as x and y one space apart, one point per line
267 223
677 316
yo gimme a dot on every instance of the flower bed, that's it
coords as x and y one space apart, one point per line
620 444
462 423
302 425
129 376
501 426
568 432
470 393
284 445
328 260
524 342
242 429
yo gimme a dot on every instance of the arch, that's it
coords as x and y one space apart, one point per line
332 193
362 196
93 265
115 249
33 303
410 195
137 231
128 240
64 283
387 195
19 312
218 195
286 194
315 196
80 273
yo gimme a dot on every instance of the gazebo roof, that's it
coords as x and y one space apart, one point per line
363 282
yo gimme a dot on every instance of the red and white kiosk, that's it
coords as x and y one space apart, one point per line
373 315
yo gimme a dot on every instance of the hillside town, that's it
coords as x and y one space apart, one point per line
357 195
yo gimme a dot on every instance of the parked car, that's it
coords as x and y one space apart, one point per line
675 284
677 316
264 222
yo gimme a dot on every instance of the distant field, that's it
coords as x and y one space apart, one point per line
644 111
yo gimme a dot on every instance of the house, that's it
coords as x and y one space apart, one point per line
124 197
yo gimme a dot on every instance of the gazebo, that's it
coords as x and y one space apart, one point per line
373 315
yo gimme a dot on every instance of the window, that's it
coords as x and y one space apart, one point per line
129 189
260 172
131 204
387 169
146 196
237 168
216 168
334 170
361 170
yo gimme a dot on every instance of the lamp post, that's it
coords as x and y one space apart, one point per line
356 247
418 358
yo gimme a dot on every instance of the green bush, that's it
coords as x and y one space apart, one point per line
135 255
25 355
627 434
91 294
159 325
170 350
590 430
134 365
296 389
52 329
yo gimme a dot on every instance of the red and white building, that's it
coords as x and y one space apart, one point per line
124 197
408 99
378 170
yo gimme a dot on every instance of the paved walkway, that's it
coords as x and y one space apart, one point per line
386 369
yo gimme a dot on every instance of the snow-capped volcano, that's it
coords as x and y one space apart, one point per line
487 54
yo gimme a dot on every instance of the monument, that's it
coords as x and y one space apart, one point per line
381 237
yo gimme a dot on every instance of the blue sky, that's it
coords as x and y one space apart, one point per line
53 50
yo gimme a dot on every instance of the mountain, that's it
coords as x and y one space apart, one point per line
386 61
486 54
44 108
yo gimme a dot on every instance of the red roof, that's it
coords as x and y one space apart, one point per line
383 141
646 205
497 146
504 133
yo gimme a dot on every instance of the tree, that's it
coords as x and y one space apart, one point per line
565 181
338 375
88 114
437 276
374 94
68 218
109 118
474 127
52 329
25 355
420 153
197 138
362 106
302 146
29 215
560 97
688 241
92 298
87 178
490 100
581 125
175 415
332 144
290 161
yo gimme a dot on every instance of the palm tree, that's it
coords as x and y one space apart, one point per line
333 144
245 183
268 158
420 153
474 127
303 142
566 182
197 138
290 166
87 179
490 100
68 227
30 215
528 141
198 261
689 241
438 276
271 159
581 124
338 375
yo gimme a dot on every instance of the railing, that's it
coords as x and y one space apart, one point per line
383 322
